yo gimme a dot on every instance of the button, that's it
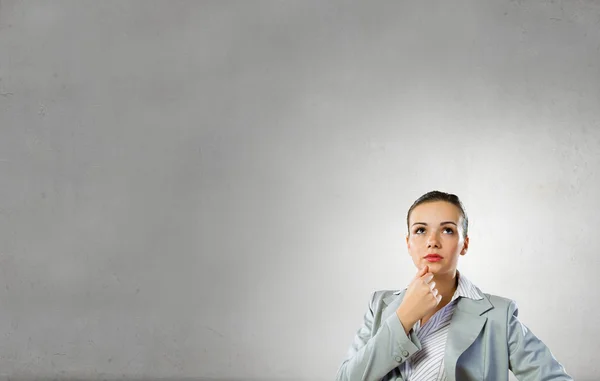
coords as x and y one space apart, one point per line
398 358
405 353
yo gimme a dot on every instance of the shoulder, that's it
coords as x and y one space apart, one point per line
383 297
380 294
385 294
498 301
502 305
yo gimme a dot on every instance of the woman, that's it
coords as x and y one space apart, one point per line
442 327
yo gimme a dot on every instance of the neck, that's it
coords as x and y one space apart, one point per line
446 285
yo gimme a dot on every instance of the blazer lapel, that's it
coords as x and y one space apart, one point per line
465 326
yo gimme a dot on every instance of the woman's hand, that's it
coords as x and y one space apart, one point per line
420 299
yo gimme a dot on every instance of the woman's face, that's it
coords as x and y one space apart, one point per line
436 228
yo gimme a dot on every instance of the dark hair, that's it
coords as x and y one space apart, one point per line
441 196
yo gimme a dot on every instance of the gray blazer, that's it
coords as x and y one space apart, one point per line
485 340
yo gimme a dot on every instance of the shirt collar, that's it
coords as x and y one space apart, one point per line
465 289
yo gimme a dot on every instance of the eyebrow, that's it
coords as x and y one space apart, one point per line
442 223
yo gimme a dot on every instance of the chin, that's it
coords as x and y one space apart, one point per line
434 267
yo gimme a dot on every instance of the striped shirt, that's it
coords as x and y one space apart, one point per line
428 363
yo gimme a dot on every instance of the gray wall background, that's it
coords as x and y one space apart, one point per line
212 189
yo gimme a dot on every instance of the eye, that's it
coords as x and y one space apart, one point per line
450 230
419 230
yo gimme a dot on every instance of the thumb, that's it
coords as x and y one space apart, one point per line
423 271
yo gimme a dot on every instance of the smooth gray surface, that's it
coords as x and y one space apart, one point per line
183 181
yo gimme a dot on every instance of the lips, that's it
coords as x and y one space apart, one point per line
433 258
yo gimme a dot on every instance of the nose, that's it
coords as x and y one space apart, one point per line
432 241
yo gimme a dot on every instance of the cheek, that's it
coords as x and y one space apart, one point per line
453 242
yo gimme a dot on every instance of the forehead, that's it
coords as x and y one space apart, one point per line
435 211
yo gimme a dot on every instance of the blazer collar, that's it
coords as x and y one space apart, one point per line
465 326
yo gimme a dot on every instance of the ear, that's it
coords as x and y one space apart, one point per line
465 246
407 242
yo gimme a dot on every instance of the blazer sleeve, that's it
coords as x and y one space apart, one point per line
529 358
372 356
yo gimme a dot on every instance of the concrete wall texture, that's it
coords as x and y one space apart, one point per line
212 189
